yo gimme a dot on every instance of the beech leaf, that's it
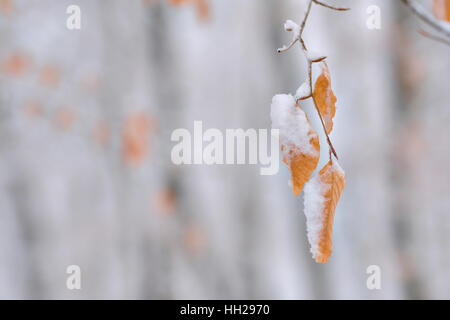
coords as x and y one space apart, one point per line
300 147
325 98
322 194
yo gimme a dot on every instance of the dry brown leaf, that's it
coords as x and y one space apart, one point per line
322 194
325 98
441 9
302 165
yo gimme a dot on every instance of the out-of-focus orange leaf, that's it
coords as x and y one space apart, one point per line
135 137
6 7
203 10
33 108
195 239
16 65
325 98
322 194
49 75
101 133
64 118
179 2
163 202
201 6
441 9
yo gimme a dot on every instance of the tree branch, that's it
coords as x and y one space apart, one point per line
438 25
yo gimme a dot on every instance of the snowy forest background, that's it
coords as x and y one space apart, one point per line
86 176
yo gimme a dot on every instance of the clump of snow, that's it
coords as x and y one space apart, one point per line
303 91
314 197
293 125
291 26
312 55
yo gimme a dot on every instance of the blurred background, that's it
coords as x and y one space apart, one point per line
85 171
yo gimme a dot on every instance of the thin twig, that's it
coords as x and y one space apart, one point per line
284 49
302 26
440 26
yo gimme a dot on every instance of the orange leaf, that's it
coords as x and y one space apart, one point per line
203 11
322 194
299 141
302 165
441 9
325 98
177 2
202 7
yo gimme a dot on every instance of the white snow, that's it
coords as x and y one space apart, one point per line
314 192
338 168
292 123
312 55
291 26
303 91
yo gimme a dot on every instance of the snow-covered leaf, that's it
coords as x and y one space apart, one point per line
299 141
322 194
303 92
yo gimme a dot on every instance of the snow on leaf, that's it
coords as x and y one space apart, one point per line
315 56
299 141
303 92
441 9
325 98
322 194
